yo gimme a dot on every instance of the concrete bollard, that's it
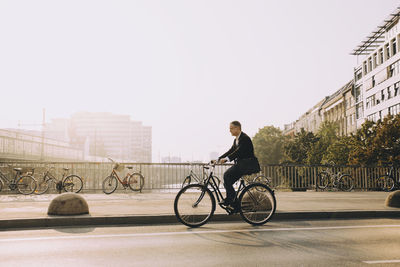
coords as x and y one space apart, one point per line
393 199
68 204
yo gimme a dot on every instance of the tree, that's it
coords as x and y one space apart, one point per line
387 140
339 151
327 135
364 152
268 145
297 149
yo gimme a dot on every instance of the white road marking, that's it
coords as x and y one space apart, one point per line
382 261
199 232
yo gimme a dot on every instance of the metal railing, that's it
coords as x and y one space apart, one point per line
171 175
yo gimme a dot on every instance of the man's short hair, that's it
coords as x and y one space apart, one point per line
237 124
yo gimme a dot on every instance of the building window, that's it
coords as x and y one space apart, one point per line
396 88
374 60
394 46
381 56
394 110
369 64
358 94
365 68
387 51
373 81
358 75
359 110
389 92
370 102
383 95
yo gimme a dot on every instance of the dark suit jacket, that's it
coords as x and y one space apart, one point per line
244 150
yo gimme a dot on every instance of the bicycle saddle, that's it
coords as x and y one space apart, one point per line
65 169
17 169
129 167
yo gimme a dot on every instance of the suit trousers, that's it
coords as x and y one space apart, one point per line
230 177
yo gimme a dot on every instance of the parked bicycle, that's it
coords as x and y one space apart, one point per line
195 204
24 184
338 180
135 181
388 182
193 177
71 183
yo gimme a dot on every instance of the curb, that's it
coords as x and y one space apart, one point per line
87 220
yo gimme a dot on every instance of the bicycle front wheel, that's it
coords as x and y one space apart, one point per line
73 183
194 205
257 204
346 183
186 181
136 182
110 184
386 183
26 185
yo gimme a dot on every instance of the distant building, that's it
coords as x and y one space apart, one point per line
105 135
171 159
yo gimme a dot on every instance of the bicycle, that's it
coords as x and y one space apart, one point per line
24 184
193 176
388 182
195 204
71 183
135 181
341 181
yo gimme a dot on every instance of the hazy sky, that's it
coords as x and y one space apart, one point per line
186 68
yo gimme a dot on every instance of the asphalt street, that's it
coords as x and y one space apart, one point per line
298 243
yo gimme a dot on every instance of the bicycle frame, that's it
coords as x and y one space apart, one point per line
211 181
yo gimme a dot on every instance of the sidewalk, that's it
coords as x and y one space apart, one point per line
18 211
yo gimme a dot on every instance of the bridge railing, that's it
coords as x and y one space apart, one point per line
171 175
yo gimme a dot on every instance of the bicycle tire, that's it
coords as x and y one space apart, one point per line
72 183
186 181
1 185
26 184
346 183
136 181
42 187
323 180
257 204
110 184
387 183
194 205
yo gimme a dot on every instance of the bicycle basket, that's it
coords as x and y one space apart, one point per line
118 167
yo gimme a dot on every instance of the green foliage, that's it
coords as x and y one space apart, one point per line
339 151
268 145
378 143
298 148
326 136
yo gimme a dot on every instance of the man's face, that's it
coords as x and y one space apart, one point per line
235 130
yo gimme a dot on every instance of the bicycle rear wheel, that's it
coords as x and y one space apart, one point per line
262 179
322 180
73 183
194 205
257 204
136 182
110 184
26 184
42 187
346 182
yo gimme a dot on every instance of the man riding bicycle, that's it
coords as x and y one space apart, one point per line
242 153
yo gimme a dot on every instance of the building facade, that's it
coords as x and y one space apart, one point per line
377 77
